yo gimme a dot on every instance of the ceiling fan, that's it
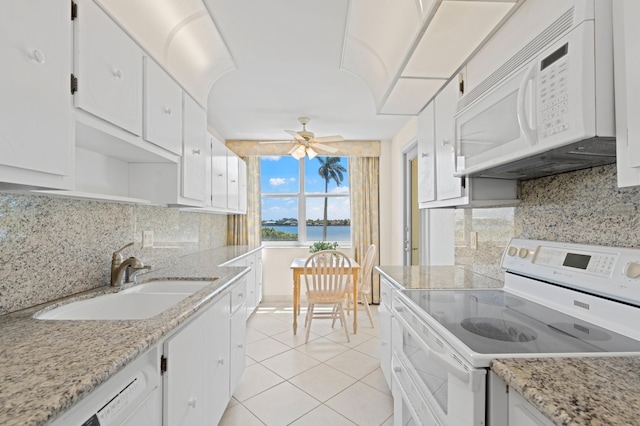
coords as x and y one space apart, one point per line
307 143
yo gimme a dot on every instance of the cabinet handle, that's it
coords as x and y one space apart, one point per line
445 142
118 74
221 361
233 181
192 402
240 345
424 154
167 110
397 369
37 56
196 152
240 295
219 174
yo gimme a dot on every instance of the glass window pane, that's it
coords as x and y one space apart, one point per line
326 174
338 219
279 219
279 175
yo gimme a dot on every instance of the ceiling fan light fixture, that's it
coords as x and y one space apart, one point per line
311 153
299 152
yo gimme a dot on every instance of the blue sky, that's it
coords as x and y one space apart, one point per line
280 175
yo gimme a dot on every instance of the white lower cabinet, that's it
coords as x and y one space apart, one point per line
237 350
252 260
386 294
523 413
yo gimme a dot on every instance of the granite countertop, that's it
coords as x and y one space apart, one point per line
49 365
577 391
436 277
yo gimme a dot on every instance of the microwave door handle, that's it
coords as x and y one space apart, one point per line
450 365
528 132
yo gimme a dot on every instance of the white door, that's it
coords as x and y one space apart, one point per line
218 173
108 65
412 214
195 147
36 129
162 108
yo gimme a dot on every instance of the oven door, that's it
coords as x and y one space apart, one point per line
430 377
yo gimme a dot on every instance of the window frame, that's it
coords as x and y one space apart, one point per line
302 197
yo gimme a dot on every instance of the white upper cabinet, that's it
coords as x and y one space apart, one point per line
108 66
233 185
194 154
242 186
162 108
447 186
36 127
218 174
426 155
626 34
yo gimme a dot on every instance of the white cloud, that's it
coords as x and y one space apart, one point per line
277 181
271 157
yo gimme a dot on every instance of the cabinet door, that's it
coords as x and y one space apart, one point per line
233 186
184 394
216 372
195 145
108 65
252 296
626 32
36 130
447 186
218 174
237 349
162 108
426 155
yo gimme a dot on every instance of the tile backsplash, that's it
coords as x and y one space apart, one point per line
578 207
53 247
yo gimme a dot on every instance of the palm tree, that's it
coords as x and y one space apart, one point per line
330 168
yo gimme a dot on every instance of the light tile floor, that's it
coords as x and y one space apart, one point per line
325 382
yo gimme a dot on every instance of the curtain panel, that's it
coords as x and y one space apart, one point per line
364 182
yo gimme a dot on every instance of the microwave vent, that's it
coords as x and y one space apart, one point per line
556 29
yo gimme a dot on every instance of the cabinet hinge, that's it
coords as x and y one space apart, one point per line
163 364
74 10
74 84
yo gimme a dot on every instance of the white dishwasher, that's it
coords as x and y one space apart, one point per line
132 397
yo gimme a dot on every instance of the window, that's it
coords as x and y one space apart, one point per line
296 195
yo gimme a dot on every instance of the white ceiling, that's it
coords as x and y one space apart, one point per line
288 55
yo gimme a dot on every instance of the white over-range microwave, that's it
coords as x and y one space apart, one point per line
550 107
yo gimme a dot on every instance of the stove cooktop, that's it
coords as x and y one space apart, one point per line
495 322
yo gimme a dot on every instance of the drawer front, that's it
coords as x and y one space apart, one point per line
238 296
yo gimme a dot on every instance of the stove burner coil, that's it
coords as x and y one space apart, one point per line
497 329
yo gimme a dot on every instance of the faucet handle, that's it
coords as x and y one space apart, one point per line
117 256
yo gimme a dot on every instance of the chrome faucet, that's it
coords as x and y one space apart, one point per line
120 268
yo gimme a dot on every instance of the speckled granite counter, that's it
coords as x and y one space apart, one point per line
577 391
48 366
436 277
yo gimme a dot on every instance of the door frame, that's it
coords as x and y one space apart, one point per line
409 154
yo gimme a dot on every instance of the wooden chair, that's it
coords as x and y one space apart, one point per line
327 275
364 282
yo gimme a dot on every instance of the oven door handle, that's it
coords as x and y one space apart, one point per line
452 366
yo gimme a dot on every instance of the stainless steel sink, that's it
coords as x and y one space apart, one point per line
139 302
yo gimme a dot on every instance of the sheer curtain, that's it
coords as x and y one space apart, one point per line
245 229
364 178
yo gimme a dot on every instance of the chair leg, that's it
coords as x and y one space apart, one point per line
310 318
344 322
334 315
306 317
365 302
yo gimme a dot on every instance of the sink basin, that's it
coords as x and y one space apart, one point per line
139 302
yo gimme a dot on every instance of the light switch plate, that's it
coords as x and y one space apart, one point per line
147 239
473 240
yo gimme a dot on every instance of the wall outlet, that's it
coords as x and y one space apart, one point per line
473 240
147 239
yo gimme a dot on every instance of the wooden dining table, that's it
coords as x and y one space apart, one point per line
297 266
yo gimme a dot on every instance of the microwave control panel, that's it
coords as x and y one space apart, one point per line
552 88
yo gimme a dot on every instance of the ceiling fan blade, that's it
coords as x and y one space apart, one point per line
336 138
296 135
323 147
268 142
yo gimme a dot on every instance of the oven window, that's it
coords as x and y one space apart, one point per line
432 376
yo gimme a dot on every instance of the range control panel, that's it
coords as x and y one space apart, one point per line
610 271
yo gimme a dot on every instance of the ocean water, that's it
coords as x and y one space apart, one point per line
314 233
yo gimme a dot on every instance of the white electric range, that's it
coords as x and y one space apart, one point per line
558 300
